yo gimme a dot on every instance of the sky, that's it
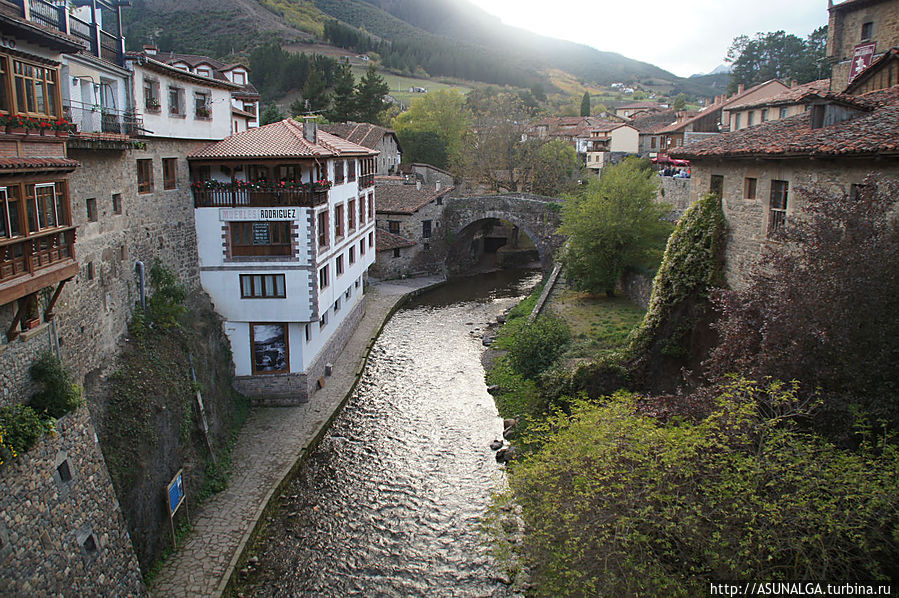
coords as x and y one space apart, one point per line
685 37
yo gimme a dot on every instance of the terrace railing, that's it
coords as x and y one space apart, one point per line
90 118
257 195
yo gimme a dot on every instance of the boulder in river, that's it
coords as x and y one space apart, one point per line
505 455
496 445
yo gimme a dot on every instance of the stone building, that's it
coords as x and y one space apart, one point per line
410 222
858 33
759 171
285 220
375 138
789 102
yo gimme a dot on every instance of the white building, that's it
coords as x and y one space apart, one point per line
285 219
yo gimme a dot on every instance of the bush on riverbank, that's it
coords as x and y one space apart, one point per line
619 503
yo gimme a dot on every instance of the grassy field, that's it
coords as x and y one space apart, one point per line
598 323
399 85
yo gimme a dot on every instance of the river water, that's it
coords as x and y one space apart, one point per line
389 503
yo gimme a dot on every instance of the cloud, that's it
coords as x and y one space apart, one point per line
686 37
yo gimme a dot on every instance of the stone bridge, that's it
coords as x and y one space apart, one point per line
535 215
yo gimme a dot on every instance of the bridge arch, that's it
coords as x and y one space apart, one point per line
535 215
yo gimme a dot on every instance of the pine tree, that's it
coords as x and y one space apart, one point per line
585 104
315 91
370 93
344 106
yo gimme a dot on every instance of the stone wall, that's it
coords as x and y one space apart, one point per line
844 33
428 254
61 530
675 192
747 218
637 287
280 390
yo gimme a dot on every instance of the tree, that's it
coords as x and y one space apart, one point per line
553 167
423 146
680 102
343 106
315 92
585 104
439 112
271 114
821 308
777 55
613 224
369 98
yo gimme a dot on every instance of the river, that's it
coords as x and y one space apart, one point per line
390 501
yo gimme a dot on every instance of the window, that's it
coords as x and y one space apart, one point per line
750 118
90 270
339 265
717 185
777 208
116 203
396 252
144 176
737 122
356 284
169 173
426 229
440 200
323 232
362 247
856 190
351 215
783 112
91 209
36 89
308 331
338 172
352 255
749 186
202 108
262 286
764 117
348 293
269 345
323 321
371 207
151 95
337 305
260 239
64 472
240 77
176 101
323 277
652 143
351 170
393 226
204 71
10 213
338 221
867 30
42 207
371 240
361 211
4 78
427 246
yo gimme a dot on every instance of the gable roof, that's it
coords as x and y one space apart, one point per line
283 139
386 240
653 123
364 134
406 199
727 103
194 60
874 133
794 95
874 68
645 104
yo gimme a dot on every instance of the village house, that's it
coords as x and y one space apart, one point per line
759 171
607 141
373 137
789 102
409 218
244 98
714 118
285 224
858 33
648 127
638 109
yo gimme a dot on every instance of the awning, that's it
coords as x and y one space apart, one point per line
670 161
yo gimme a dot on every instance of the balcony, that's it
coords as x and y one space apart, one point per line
366 180
213 194
90 118
28 264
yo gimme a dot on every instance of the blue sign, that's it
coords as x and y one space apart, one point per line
176 493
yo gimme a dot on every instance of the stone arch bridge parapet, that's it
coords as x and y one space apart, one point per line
535 215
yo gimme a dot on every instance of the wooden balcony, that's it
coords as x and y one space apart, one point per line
366 180
257 196
29 264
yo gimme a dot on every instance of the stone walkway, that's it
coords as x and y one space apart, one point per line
270 443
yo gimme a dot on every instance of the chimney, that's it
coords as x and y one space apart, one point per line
794 83
741 88
310 131
150 49
438 185
418 185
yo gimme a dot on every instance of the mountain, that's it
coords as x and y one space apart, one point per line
451 38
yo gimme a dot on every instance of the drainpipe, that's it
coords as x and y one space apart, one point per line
141 283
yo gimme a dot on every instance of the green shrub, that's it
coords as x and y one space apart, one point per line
166 304
537 345
20 429
620 504
59 394
595 377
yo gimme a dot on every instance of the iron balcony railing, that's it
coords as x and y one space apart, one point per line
91 118
256 196
367 180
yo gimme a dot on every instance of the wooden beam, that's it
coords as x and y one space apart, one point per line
48 313
13 331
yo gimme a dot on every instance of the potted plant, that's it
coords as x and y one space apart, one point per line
203 112
16 124
32 317
63 127
153 104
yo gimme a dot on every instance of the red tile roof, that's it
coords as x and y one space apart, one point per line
794 95
364 134
655 105
385 241
874 133
406 199
16 163
282 139
653 123
731 101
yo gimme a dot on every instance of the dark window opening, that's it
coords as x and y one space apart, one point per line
867 30
91 209
777 208
749 187
260 238
65 474
716 187
116 203
89 544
